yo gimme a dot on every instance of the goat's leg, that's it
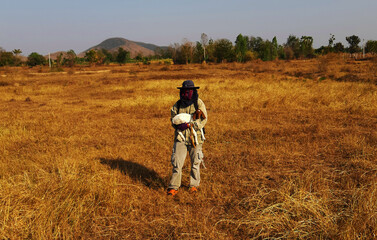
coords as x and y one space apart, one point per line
193 142
195 136
181 134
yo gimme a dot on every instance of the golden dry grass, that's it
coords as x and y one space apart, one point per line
291 152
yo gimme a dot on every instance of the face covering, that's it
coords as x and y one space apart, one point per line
188 96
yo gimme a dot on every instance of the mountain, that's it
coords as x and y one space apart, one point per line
135 48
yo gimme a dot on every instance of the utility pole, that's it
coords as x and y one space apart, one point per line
49 60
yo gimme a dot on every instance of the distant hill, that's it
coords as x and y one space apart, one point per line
135 48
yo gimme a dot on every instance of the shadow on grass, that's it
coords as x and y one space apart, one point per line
136 171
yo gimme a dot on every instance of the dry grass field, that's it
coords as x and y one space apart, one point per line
291 152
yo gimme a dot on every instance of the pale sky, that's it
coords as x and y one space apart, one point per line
45 26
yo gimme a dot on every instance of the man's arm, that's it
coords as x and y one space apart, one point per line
201 122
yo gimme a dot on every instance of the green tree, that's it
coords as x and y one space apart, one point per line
100 57
35 59
371 46
210 49
17 60
223 50
70 58
338 47
255 44
108 56
266 51
353 42
91 56
241 47
8 59
331 41
281 52
198 53
123 56
294 44
275 48
306 47
17 52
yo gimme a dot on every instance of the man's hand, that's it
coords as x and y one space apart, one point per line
182 126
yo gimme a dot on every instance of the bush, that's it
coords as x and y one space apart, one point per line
249 56
35 59
8 59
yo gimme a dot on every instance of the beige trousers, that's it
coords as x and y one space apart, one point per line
178 157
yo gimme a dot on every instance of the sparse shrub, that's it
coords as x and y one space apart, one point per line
3 84
165 68
346 69
348 78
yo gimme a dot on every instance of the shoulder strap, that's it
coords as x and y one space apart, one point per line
196 105
178 105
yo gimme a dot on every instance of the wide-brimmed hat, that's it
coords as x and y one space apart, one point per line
188 84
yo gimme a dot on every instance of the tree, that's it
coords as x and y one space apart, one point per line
294 44
163 52
91 56
123 56
353 42
17 60
223 50
331 41
371 46
186 51
266 51
255 44
35 59
306 47
17 52
108 57
241 47
182 53
338 47
198 53
70 58
7 59
204 42
275 47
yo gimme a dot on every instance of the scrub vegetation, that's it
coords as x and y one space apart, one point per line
291 152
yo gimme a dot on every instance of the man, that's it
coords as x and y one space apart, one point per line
189 103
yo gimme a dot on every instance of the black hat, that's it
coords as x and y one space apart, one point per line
188 84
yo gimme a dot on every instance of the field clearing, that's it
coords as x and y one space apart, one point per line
291 152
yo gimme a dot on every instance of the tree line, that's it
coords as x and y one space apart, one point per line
245 48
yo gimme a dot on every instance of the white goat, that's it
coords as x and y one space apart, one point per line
186 118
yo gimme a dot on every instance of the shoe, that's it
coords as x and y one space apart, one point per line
193 190
172 192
